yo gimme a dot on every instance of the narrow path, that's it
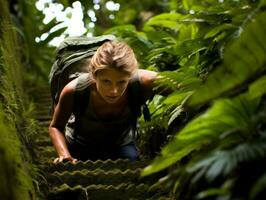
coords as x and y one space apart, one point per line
98 180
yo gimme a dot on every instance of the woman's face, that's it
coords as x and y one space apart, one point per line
111 84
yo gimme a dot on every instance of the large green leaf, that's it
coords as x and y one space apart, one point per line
223 116
217 30
212 18
243 61
257 88
137 40
120 30
183 79
262 3
182 83
224 162
166 16
189 47
259 187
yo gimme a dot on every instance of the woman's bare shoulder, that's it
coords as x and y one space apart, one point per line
147 81
147 77
64 107
69 89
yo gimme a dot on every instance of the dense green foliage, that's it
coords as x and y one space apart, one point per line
223 142
37 57
16 125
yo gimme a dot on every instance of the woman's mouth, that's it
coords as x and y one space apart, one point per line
112 97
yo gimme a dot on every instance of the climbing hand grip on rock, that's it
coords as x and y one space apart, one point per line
62 159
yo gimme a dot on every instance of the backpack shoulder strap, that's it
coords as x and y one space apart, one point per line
137 102
82 94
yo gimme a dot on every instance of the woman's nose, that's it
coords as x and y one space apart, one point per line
114 90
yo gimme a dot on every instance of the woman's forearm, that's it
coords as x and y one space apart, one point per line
59 141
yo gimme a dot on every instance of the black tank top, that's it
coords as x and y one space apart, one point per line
92 131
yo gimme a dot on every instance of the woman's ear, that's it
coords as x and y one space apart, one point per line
94 76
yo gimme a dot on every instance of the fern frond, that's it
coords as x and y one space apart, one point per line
165 20
206 129
156 53
222 163
175 113
137 40
182 82
242 62
184 79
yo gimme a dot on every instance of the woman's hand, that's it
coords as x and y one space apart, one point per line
61 159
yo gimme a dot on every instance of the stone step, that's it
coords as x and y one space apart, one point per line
42 109
44 141
41 92
42 96
122 164
48 152
43 117
43 133
45 124
44 99
123 191
99 176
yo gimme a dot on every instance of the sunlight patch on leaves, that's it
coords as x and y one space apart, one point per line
217 30
212 192
166 16
175 113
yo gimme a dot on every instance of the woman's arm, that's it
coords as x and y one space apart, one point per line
148 81
61 115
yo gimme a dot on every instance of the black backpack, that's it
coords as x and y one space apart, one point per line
72 58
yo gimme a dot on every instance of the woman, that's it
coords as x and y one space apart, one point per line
104 129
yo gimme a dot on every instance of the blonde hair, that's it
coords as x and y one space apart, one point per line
116 55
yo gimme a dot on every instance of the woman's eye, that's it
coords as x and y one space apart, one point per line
122 82
105 81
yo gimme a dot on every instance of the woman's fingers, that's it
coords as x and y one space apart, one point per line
56 161
63 159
